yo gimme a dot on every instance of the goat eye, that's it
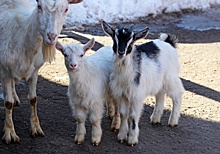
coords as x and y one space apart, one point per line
66 10
65 55
39 7
81 55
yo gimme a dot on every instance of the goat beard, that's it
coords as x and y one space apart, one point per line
49 53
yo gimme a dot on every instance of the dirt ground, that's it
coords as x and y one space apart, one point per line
199 126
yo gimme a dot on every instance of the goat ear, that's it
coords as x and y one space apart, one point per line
141 34
59 47
107 29
74 1
89 45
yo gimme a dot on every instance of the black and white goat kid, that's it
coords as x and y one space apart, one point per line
139 71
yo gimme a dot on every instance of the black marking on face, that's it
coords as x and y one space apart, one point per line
150 49
124 41
133 124
115 43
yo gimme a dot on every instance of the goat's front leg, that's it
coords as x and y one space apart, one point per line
134 116
95 119
80 115
35 125
123 130
9 131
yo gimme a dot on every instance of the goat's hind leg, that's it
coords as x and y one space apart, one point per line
110 109
9 131
34 120
155 118
176 95
116 121
114 114
17 102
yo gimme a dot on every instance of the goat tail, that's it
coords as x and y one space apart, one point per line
169 38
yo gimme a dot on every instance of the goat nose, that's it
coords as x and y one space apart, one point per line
73 65
51 36
121 52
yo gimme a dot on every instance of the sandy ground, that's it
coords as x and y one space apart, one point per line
199 126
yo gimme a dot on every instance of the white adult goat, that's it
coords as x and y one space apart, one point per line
148 69
89 87
27 38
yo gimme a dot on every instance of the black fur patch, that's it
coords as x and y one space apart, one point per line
114 47
133 124
9 105
137 65
150 49
137 78
172 40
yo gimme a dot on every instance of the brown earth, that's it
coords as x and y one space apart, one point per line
199 126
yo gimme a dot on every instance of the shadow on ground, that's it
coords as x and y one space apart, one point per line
201 90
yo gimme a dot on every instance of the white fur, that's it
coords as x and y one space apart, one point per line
27 38
89 87
153 81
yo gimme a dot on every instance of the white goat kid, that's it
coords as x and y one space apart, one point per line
148 69
88 86
27 39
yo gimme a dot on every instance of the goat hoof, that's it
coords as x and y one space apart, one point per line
121 141
33 135
115 130
132 144
95 144
37 134
16 103
172 125
110 117
156 123
40 134
78 142
15 139
6 141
